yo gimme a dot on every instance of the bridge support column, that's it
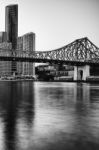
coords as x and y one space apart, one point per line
75 73
86 72
81 72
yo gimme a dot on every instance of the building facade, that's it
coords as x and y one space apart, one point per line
19 48
26 43
5 66
11 28
3 37
29 46
11 24
9 40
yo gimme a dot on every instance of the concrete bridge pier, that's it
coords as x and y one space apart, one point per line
81 72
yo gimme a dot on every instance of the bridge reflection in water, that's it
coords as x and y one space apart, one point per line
49 116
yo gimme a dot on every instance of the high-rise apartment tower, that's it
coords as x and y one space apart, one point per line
26 43
3 37
11 28
11 24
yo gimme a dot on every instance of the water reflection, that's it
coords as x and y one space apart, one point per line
69 116
15 105
49 116
26 115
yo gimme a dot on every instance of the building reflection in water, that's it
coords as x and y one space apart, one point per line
63 113
26 116
10 119
15 105
87 115
54 119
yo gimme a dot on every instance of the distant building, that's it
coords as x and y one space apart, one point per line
26 43
29 46
53 69
11 28
20 48
9 40
5 66
46 68
11 24
20 43
5 46
3 37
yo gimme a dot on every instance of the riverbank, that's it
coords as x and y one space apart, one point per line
30 80
18 78
90 79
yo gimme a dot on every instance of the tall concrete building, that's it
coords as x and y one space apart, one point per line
29 46
3 37
11 28
11 24
20 48
5 66
9 40
26 43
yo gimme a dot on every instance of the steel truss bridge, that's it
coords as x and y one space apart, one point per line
79 52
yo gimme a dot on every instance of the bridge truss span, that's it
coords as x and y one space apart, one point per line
80 51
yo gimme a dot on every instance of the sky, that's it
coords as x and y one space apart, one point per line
56 23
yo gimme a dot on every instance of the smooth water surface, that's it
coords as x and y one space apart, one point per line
49 116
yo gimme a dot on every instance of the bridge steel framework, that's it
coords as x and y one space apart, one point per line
81 52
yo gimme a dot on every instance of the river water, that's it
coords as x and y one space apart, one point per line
49 116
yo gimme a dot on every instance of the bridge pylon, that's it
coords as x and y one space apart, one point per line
81 72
